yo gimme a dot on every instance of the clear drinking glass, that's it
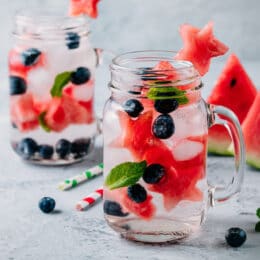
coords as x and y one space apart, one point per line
52 74
155 130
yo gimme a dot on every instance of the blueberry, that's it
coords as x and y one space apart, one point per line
166 105
163 126
133 107
137 193
17 85
72 40
46 151
80 76
80 147
47 204
63 148
27 148
235 237
14 125
30 56
147 74
113 208
153 173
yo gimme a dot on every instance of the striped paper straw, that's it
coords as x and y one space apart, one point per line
76 180
91 199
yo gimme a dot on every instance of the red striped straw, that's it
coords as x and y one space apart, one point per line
91 199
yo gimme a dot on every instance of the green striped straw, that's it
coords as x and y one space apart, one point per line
76 180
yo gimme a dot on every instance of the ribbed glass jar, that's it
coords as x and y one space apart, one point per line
52 73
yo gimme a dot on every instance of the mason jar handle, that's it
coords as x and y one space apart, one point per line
100 53
219 115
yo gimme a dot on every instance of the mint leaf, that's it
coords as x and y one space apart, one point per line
61 80
43 123
125 174
258 212
168 93
257 226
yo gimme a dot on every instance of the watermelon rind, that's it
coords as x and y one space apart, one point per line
217 149
253 160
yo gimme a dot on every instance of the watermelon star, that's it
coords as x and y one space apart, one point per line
88 7
200 45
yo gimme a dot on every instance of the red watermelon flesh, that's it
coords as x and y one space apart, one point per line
64 111
234 90
88 7
23 113
144 210
179 182
200 45
76 113
83 95
56 117
167 69
17 68
251 130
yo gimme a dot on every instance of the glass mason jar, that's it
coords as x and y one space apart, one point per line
155 130
52 74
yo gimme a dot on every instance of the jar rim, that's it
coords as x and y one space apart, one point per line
42 21
121 61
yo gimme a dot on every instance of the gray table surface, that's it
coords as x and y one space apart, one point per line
26 233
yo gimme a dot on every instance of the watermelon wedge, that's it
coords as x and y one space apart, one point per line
22 112
64 111
166 68
234 90
200 45
251 130
88 7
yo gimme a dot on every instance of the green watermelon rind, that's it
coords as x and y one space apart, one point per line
216 148
253 161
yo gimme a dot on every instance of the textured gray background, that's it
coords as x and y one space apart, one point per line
152 24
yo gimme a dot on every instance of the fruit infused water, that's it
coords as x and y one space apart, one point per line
155 136
51 68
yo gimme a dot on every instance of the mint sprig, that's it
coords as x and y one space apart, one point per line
125 174
156 93
61 80
258 212
257 226
42 122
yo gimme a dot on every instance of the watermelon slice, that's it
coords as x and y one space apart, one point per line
179 182
236 91
83 95
88 7
200 45
64 111
251 130
56 117
166 68
23 114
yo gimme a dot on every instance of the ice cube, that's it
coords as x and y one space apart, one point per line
189 121
83 92
61 59
186 150
115 156
40 81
